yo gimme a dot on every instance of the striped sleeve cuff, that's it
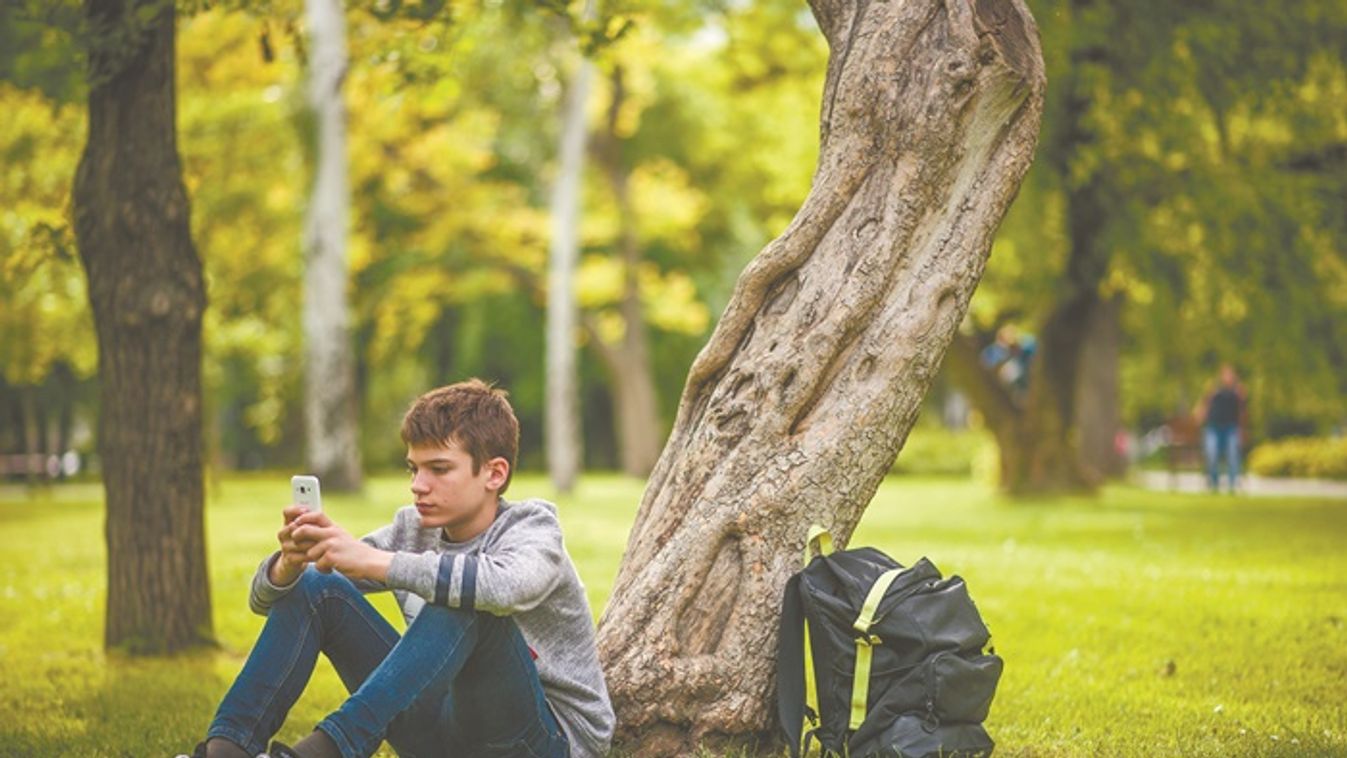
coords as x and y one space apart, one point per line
468 596
454 582
444 579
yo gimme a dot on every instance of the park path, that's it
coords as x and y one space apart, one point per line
1192 481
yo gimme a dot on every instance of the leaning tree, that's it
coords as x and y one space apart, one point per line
797 406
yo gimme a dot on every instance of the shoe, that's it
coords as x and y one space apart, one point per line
197 752
279 750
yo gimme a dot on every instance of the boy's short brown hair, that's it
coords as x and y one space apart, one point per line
472 415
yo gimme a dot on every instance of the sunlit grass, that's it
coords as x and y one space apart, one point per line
1133 624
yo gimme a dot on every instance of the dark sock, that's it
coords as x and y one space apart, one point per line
317 745
219 747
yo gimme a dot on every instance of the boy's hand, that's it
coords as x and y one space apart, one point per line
331 547
294 553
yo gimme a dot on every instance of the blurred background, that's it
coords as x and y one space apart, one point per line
1187 208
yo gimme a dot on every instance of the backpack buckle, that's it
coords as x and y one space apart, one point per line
869 640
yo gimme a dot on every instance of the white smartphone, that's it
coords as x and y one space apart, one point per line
304 491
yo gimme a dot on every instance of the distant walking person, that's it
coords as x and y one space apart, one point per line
1221 414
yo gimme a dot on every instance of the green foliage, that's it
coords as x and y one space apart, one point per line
1214 129
1314 457
44 319
1211 135
38 49
1123 635
933 450
244 170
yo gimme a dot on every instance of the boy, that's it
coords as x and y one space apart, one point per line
499 656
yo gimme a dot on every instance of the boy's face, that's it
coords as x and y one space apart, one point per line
449 495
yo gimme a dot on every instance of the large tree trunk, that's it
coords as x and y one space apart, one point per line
145 287
562 421
814 375
636 404
330 402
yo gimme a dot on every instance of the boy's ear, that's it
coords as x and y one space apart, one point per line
499 471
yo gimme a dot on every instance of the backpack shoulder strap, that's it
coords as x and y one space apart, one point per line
790 667
860 682
821 535
796 690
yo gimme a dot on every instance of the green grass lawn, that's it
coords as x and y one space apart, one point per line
1135 624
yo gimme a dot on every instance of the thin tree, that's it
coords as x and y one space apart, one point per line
800 401
562 422
330 402
147 295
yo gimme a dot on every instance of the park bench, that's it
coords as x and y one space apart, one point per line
30 465
1182 445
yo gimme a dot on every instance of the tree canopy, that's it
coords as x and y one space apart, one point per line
1214 133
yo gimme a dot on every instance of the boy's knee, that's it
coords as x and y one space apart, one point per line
313 584
433 612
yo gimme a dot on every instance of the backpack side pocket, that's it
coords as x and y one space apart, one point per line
960 689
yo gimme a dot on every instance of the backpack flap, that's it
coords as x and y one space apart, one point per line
934 616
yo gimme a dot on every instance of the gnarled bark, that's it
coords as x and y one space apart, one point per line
811 381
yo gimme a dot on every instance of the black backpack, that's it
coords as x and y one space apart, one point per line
895 668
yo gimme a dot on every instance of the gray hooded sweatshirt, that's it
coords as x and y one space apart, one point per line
519 568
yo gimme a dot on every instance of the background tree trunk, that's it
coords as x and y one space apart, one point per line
1036 435
808 387
1039 438
562 422
330 402
636 403
1044 454
1098 411
145 288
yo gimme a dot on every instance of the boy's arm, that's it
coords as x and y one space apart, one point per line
382 539
276 576
364 561
513 575
264 592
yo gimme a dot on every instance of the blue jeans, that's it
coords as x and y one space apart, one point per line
457 683
1221 442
